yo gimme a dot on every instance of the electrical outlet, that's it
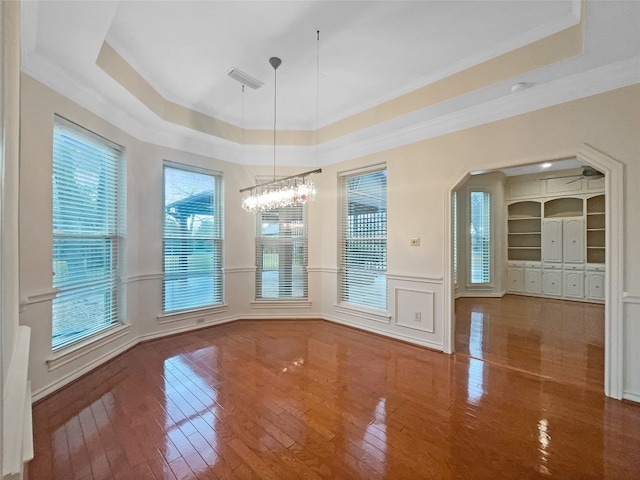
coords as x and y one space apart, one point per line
417 316
415 242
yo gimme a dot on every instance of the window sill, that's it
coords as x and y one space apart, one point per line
67 354
281 304
480 286
190 314
381 316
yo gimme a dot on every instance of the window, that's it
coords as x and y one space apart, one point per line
192 239
480 233
281 253
363 239
85 233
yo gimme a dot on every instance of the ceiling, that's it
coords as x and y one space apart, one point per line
368 53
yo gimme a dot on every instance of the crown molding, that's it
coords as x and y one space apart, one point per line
538 33
51 75
422 125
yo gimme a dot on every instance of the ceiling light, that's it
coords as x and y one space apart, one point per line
546 165
283 192
245 78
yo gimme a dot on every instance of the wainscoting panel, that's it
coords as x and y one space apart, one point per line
415 309
631 383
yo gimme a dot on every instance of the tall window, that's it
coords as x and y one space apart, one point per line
281 253
192 239
480 233
363 239
85 233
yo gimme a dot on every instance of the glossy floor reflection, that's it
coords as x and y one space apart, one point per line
555 340
310 399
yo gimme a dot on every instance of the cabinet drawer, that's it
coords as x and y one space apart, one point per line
579 267
552 266
595 267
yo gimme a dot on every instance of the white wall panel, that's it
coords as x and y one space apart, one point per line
415 309
631 350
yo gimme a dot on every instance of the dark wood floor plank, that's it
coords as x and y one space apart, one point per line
521 398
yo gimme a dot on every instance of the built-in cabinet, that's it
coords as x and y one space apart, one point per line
556 247
525 230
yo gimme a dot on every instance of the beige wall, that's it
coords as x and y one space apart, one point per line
419 178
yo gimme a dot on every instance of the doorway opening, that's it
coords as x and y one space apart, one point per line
613 266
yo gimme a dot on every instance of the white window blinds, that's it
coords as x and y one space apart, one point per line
363 239
480 233
192 239
85 233
281 253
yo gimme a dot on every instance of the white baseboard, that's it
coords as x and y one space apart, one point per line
386 333
70 377
633 397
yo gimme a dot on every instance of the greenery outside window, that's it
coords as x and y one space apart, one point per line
281 253
480 236
192 238
86 233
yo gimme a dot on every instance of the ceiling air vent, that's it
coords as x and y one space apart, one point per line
245 78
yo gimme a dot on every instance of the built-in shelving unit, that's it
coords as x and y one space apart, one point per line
595 229
556 239
563 207
525 230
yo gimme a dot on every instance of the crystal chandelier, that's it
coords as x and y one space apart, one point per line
284 192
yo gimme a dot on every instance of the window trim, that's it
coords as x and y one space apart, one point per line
94 336
343 305
491 283
187 312
305 240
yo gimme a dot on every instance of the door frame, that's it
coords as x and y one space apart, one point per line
614 266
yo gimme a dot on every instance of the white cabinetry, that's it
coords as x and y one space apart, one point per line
594 282
515 278
563 240
533 280
556 245
552 241
552 280
595 229
574 283
524 231
573 240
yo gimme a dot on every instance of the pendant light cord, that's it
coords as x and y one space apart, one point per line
243 115
317 89
275 111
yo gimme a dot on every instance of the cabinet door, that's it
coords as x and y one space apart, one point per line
515 278
595 285
573 240
552 282
533 281
574 284
552 241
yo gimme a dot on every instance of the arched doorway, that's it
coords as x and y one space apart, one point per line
614 260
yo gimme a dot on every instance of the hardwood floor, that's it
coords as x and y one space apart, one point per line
555 340
310 399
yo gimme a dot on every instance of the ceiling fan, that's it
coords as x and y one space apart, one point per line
587 172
